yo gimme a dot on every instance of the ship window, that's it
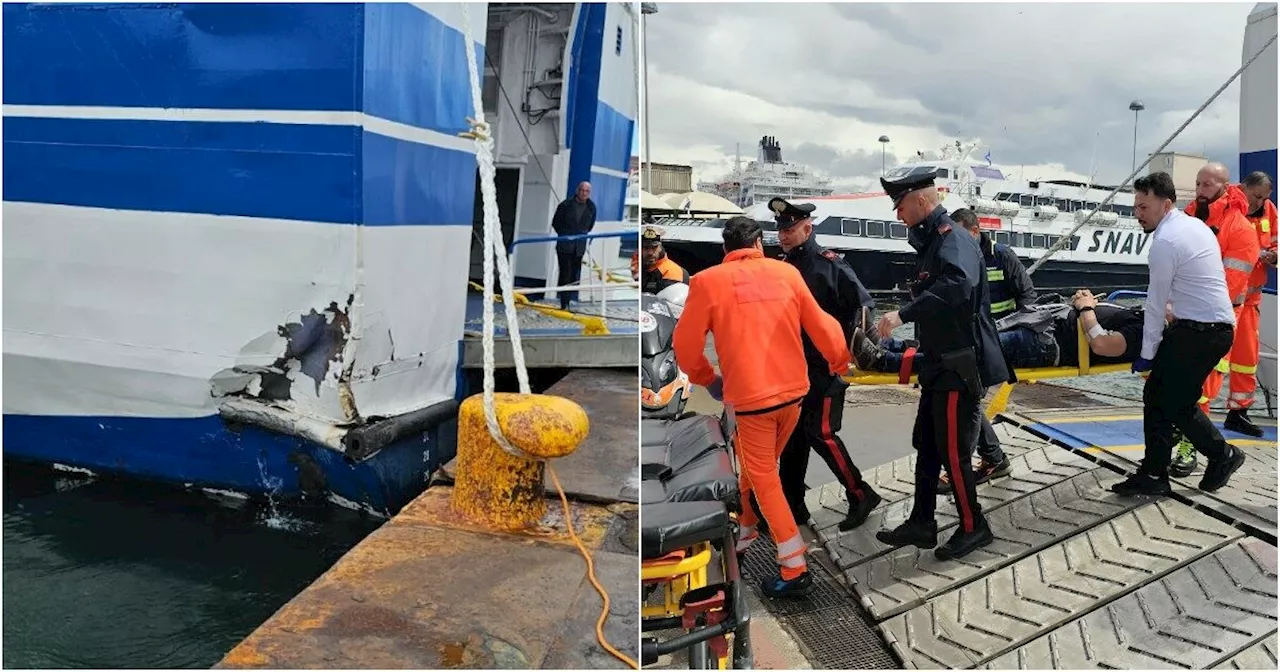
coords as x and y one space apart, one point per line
897 231
828 227
1002 237
1015 239
851 227
1044 200
875 229
1003 196
1026 200
1061 203
1091 206
1077 205
1037 240
943 172
1126 211
1052 240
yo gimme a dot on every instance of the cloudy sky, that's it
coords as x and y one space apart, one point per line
1045 86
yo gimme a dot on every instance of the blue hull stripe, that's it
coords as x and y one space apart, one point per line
610 194
202 452
411 184
613 138
585 92
254 56
287 171
415 68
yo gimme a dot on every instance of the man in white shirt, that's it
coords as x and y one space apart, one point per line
1186 272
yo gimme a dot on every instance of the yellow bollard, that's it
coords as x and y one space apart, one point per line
496 489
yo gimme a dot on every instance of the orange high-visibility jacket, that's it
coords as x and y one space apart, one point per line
1237 238
1265 224
754 308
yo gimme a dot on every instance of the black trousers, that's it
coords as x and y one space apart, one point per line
820 419
944 435
1187 354
570 263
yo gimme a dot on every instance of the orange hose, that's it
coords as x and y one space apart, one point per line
591 575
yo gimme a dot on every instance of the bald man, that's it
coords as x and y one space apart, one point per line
1225 208
574 216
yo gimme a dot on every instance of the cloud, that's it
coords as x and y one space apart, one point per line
1044 87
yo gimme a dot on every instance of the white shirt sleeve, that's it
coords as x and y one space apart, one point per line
1161 260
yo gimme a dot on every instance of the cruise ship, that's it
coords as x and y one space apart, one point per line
767 177
1109 252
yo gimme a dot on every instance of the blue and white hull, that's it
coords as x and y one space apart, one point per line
233 242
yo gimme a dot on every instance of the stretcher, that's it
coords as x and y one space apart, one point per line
1001 398
689 495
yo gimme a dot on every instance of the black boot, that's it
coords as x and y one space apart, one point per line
778 587
1143 484
963 543
1238 421
1217 473
911 533
858 511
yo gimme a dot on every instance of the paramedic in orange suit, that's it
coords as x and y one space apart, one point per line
1224 207
755 308
1244 351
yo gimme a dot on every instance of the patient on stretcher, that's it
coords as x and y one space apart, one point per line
1034 337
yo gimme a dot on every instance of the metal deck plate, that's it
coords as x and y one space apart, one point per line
827 625
1197 617
895 481
1260 656
1031 471
1250 495
970 626
906 577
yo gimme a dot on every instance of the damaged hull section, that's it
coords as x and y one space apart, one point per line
205 452
233 242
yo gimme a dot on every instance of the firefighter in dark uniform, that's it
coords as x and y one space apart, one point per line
840 294
651 265
951 311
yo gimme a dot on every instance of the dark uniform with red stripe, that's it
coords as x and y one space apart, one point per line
960 358
838 291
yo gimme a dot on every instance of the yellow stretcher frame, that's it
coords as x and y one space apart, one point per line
1001 399
678 578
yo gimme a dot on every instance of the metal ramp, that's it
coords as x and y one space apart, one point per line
1077 577
555 341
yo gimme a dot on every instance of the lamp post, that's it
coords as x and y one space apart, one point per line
646 8
884 141
1137 107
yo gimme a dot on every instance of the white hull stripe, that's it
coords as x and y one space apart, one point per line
611 172
370 123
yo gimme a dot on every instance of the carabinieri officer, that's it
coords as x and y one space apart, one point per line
841 295
951 311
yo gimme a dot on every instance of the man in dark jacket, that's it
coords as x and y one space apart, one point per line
960 358
841 295
573 216
1009 289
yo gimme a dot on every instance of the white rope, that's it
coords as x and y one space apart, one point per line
492 248
1106 201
